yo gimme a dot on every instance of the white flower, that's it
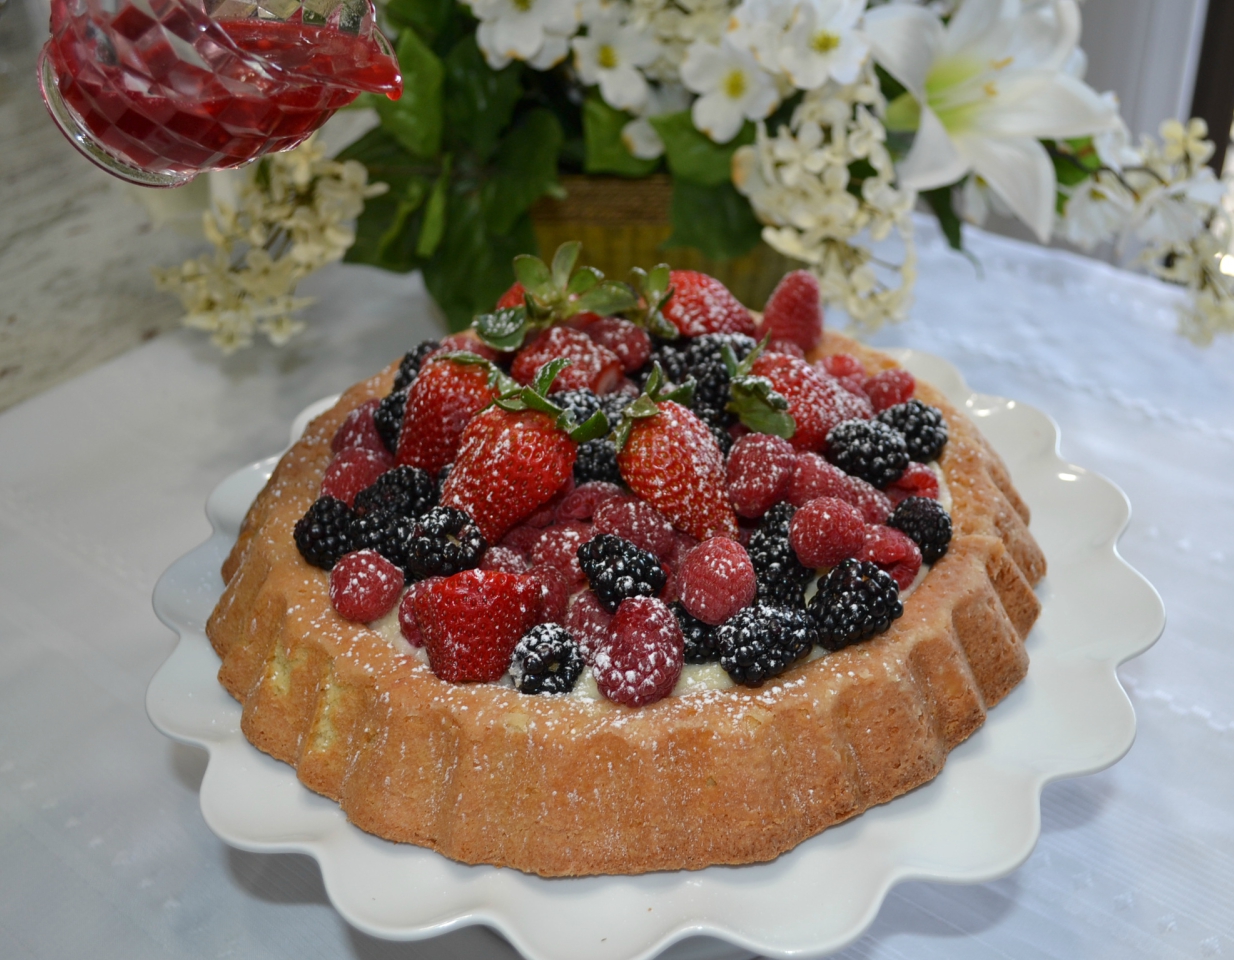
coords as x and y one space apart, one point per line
732 87
759 26
611 55
822 42
983 90
537 31
639 136
1178 212
1097 210
1113 145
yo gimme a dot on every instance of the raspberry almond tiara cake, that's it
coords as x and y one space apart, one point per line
627 578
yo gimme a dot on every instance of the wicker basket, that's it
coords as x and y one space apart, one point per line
624 223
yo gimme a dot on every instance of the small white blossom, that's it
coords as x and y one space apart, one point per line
822 42
537 31
612 55
1097 210
732 86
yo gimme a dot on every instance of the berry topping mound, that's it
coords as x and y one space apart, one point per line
593 568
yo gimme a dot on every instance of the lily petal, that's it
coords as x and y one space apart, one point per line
1047 105
972 22
1020 171
906 41
933 161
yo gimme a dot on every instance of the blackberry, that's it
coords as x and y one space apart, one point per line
580 403
762 641
617 569
405 491
388 418
546 660
389 533
926 522
671 358
325 533
704 361
700 638
782 578
597 460
443 542
923 428
442 475
614 405
409 366
869 449
855 601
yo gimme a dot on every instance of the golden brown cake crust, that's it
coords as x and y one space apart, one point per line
562 786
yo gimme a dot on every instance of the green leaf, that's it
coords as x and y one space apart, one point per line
433 226
504 329
548 373
415 118
427 17
593 428
563 263
717 221
412 197
533 274
479 100
941 201
606 152
583 280
694 156
760 408
608 298
526 164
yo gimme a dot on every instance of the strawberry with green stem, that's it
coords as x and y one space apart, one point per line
669 458
753 398
516 455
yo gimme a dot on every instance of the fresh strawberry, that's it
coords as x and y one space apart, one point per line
408 625
702 304
671 460
794 311
471 622
441 402
631 344
593 367
512 459
817 402
512 297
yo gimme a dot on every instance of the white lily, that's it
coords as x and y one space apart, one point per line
983 90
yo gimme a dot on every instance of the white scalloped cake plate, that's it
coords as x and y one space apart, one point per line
979 819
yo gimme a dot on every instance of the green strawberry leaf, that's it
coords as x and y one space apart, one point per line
592 428
503 330
583 280
547 374
760 408
641 409
533 274
563 263
606 298
653 287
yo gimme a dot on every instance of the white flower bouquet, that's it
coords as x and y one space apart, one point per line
814 126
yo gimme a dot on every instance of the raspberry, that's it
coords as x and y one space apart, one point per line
588 622
595 367
617 569
407 623
413 359
786 347
843 365
558 548
630 343
826 531
364 586
471 622
546 660
641 660
927 523
716 579
759 471
856 385
868 449
443 542
700 638
326 532
854 602
351 471
597 460
546 514
523 539
793 311
892 551
461 341
403 491
554 594
506 559
582 502
358 430
782 578
923 427
638 522
918 480
890 387
763 641
815 477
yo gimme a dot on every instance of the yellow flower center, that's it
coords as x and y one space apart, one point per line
522 5
735 84
606 56
824 41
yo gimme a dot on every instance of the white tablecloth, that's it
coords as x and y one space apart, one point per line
103 852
